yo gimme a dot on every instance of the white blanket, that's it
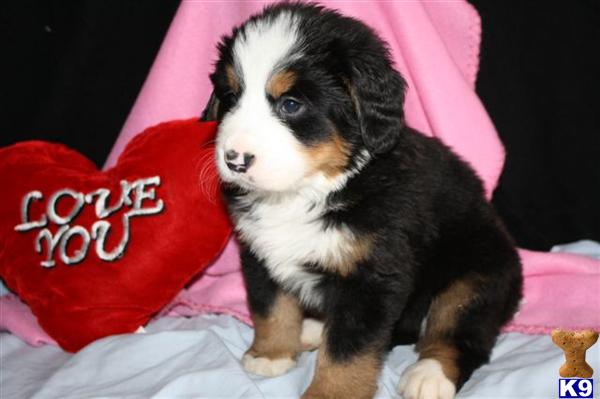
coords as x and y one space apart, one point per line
199 358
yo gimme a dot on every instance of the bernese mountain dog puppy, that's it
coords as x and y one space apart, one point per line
347 215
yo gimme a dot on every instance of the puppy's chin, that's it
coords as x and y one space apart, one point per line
255 181
314 185
266 186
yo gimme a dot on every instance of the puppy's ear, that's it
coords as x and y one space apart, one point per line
211 111
377 91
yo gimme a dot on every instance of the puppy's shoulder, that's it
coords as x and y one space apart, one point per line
429 156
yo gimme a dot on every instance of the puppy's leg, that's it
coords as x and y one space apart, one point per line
435 375
277 319
356 335
276 338
312 334
462 325
354 377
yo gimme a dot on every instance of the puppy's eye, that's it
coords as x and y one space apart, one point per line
290 106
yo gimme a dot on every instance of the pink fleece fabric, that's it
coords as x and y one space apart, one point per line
436 47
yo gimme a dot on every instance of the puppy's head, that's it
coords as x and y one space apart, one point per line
304 97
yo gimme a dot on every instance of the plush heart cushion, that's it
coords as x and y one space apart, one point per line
99 253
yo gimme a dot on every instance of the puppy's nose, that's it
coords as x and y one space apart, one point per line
237 162
231 155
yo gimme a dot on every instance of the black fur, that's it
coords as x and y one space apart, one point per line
424 206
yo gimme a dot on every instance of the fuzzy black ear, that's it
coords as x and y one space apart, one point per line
211 111
377 91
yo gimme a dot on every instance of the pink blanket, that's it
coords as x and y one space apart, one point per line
435 45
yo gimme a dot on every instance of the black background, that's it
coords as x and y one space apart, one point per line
72 70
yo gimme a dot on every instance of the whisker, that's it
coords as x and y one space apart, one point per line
209 142
208 180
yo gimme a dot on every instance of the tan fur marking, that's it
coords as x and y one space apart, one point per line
355 378
280 83
329 157
448 305
353 251
447 355
443 315
232 79
278 335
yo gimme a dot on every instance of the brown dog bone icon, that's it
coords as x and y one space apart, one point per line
574 344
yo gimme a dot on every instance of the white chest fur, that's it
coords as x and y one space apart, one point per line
287 233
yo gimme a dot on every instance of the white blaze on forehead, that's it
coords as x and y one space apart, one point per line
264 44
251 125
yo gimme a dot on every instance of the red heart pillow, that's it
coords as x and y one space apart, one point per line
99 253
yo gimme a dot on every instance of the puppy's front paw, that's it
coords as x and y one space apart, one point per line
265 366
426 380
312 334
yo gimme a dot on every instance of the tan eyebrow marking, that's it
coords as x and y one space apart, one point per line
281 82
